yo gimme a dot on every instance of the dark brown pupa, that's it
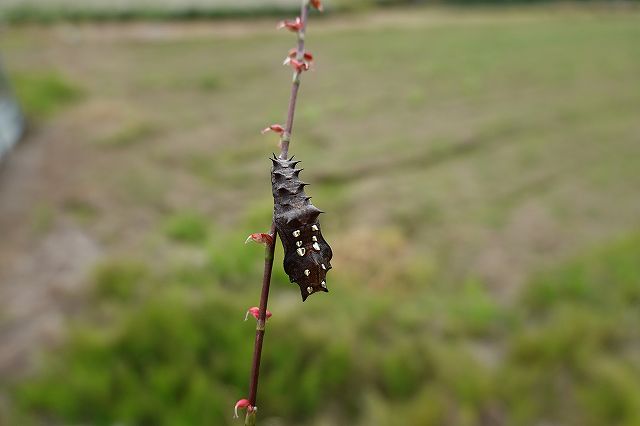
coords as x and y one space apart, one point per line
307 256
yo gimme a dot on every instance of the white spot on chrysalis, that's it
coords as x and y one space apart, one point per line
314 238
323 267
316 246
296 233
307 272
299 243
301 251
314 227
310 289
323 284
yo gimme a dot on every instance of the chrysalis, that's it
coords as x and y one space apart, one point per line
307 255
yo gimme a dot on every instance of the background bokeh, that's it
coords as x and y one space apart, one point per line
480 170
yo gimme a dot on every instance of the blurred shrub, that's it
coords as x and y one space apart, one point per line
162 364
42 219
43 93
229 256
118 279
606 280
46 13
564 353
574 355
209 83
187 227
103 11
127 135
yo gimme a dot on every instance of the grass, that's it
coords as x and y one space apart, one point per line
491 155
187 227
182 358
42 219
118 279
43 93
41 14
127 135
53 11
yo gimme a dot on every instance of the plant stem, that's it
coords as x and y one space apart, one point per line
250 418
286 136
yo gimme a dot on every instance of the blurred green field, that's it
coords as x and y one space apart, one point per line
48 11
480 174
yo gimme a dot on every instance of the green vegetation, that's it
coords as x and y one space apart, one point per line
480 174
42 219
51 11
127 135
44 14
177 353
118 279
187 227
43 93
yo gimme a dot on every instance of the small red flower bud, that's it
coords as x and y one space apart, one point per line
299 66
255 312
317 4
273 128
243 403
294 26
260 238
308 57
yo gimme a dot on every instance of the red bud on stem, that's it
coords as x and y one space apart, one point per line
255 312
260 238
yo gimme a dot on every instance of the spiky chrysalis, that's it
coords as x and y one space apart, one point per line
307 256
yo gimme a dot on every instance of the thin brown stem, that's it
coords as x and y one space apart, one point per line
286 136
250 418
